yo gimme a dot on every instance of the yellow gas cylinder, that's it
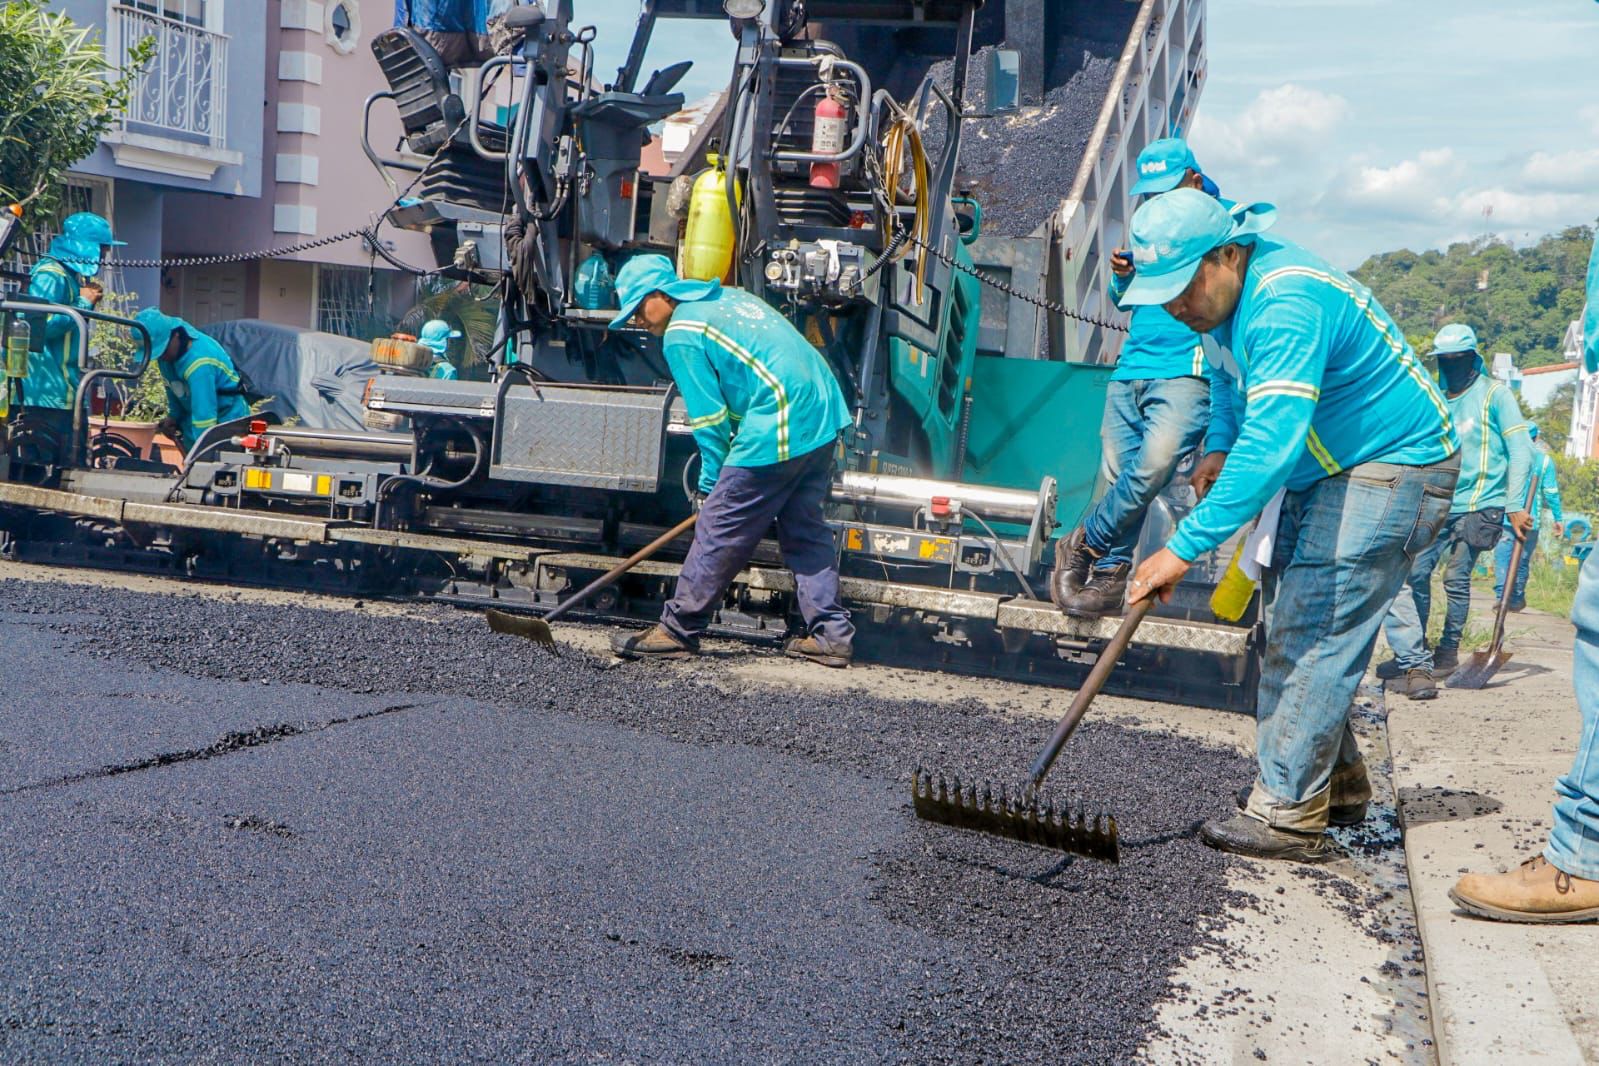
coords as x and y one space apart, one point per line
1234 591
706 253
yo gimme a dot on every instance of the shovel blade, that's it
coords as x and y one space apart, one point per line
522 625
1479 670
1026 818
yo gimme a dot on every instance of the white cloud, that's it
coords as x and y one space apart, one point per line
1279 125
1575 171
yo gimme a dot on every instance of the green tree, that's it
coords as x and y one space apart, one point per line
472 309
59 97
1519 300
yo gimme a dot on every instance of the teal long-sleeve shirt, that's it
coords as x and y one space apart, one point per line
1158 347
738 361
1317 379
202 388
1543 467
1496 451
53 373
1590 315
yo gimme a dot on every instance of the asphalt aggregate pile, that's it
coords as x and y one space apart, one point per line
1021 165
249 831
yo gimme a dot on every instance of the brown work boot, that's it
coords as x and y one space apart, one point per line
817 652
1073 557
1535 891
1101 594
1445 661
1243 835
1417 684
655 643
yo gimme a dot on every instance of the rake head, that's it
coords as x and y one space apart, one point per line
1023 818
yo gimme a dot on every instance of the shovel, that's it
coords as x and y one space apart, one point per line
1483 665
538 629
1026 817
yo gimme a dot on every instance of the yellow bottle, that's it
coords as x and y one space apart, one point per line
707 249
1234 591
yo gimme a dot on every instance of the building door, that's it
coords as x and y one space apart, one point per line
213 293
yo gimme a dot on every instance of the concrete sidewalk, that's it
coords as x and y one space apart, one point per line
1475 773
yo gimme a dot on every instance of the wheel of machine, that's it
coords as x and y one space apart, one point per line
107 447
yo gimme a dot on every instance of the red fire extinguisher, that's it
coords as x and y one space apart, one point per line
827 138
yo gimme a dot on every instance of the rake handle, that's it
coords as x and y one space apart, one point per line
622 567
1085 696
1509 577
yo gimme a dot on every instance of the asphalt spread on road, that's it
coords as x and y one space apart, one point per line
244 831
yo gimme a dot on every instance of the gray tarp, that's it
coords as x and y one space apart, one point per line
316 377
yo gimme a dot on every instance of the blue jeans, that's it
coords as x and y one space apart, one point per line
1406 624
734 518
1574 841
1149 426
1343 548
1518 593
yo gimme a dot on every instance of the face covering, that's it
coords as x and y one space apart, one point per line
1458 372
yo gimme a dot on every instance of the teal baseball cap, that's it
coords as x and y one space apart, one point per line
437 334
1455 338
644 274
1172 233
1162 165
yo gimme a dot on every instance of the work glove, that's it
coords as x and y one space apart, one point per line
696 499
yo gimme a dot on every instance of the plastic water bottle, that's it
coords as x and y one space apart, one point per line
1234 591
19 337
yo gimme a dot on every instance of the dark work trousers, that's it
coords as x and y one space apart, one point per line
734 518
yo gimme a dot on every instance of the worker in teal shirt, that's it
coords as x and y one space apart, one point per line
1547 483
1496 456
766 411
1156 409
66 275
1562 883
1331 407
437 335
203 387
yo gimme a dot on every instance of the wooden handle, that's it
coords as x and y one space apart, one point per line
1510 576
1096 680
623 567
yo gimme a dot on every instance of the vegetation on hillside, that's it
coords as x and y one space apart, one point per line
1519 300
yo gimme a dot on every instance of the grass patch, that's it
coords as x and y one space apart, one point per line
1551 584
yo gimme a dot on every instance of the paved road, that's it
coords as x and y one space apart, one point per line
244 831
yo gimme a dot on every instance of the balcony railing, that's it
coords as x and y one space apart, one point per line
183 90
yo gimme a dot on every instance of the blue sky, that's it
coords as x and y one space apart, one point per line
1372 124
1376 124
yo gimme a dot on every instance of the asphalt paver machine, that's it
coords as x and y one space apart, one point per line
827 178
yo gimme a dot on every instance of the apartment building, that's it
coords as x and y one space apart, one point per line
243 134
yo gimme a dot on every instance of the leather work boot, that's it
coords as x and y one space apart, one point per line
1342 815
1101 594
817 652
1535 891
1418 684
1445 661
1243 835
1389 669
1073 557
654 643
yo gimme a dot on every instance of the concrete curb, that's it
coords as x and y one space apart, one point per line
1474 772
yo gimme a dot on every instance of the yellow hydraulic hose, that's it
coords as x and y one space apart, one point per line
902 137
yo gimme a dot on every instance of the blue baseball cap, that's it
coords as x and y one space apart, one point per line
437 334
644 274
1532 430
1163 164
1455 338
90 227
1172 233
